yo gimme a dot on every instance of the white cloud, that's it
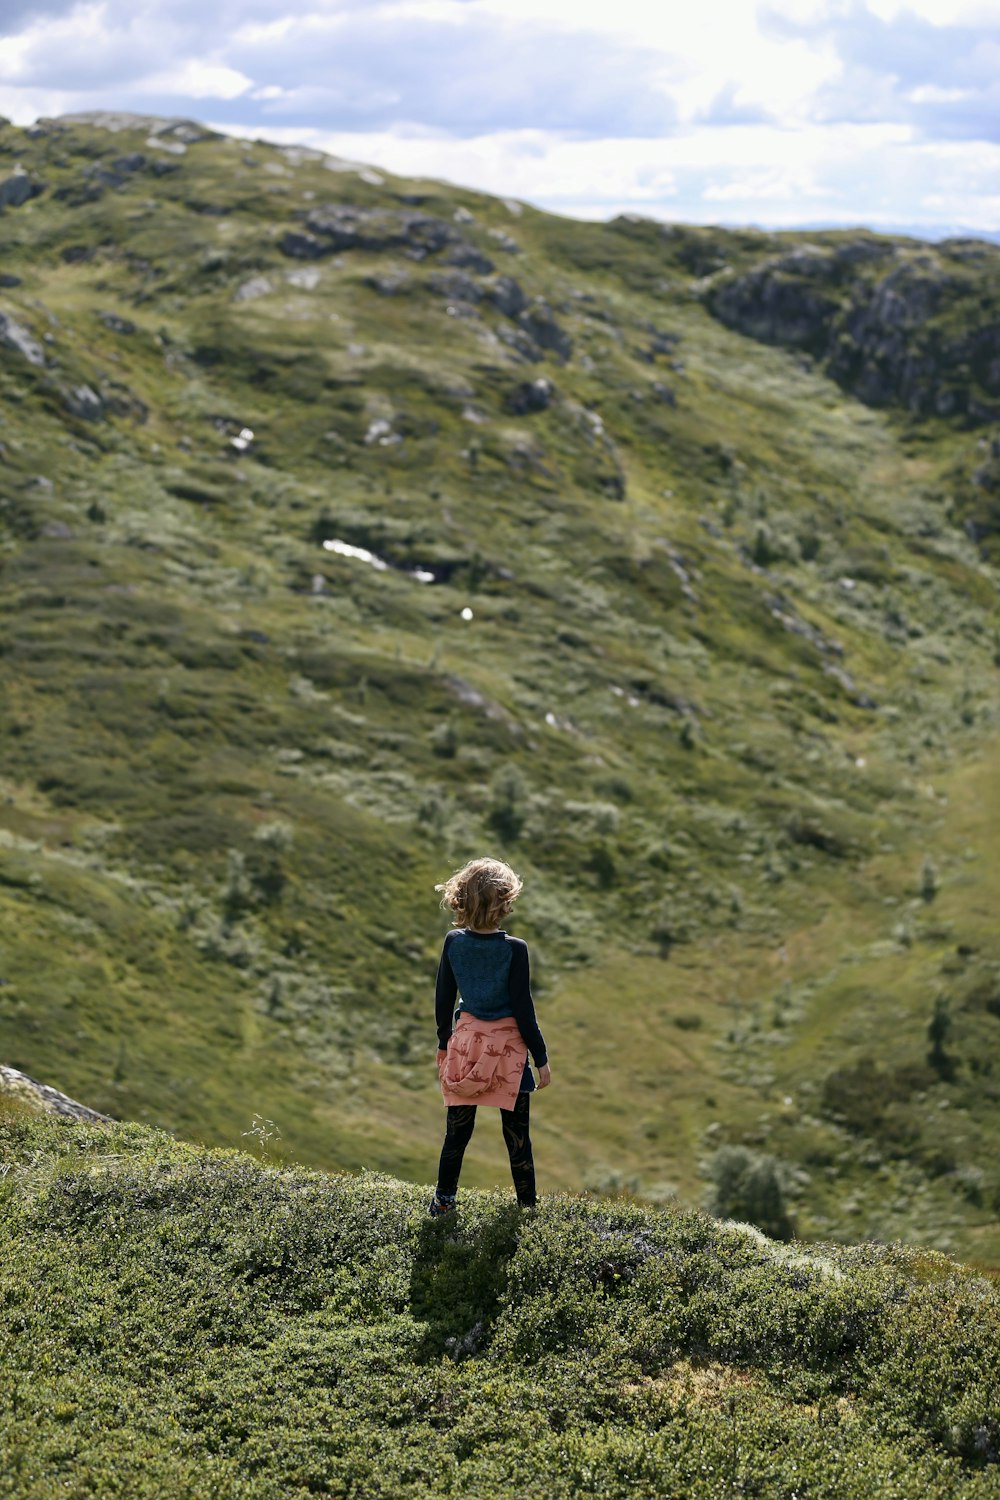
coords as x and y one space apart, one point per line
201 80
767 176
758 110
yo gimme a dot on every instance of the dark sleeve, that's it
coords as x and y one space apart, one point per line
522 1004
445 994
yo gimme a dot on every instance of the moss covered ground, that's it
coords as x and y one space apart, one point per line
701 643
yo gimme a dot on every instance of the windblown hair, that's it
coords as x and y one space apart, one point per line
481 893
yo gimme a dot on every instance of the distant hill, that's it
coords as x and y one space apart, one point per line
351 525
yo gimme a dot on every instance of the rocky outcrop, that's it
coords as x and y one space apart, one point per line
345 226
44 1099
894 325
185 132
776 304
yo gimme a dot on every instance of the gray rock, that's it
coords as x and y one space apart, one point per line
456 286
115 323
257 286
8 280
347 227
18 188
43 1097
186 131
175 148
775 307
303 246
504 241
84 402
307 277
892 326
540 325
389 283
507 296
469 259
530 395
522 344
133 161
14 336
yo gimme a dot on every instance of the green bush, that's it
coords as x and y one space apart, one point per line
189 1322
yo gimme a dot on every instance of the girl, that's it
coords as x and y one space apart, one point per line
485 1059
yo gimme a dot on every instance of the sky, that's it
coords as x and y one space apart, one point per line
778 113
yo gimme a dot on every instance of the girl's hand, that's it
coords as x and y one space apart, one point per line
442 1054
544 1077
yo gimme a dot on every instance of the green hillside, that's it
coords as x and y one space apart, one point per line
187 1322
664 568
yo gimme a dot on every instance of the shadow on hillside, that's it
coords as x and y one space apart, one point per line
460 1274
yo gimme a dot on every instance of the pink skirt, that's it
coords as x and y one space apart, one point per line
484 1062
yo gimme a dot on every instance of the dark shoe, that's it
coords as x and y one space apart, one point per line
440 1205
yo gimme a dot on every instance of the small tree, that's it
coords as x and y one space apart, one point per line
928 879
938 1033
508 802
747 1186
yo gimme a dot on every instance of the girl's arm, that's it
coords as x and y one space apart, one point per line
445 993
522 1004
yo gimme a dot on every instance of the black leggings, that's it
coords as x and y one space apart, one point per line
458 1134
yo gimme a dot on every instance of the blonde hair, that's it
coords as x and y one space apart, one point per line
481 893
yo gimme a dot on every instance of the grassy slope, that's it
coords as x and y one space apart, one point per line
182 1321
229 787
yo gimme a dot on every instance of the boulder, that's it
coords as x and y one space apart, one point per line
507 296
530 396
43 1098
14 336
257 286
540 325
389 283
303 246
469 259
115 323
522 343
84 402
504 241
456 286
18 188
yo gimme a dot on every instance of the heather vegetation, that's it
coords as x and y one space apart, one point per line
189 1322
351 525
